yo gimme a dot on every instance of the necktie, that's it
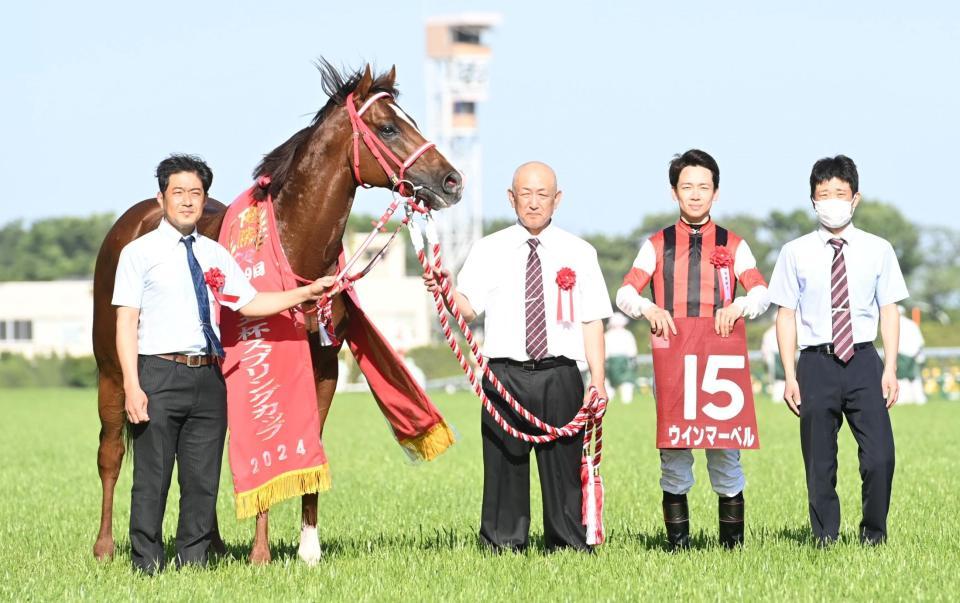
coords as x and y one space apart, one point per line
535 312
203 302
840 305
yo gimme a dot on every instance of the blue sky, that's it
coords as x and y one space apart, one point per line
93 95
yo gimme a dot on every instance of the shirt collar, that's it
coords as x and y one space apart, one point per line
522 235
171 235
704 228
848 234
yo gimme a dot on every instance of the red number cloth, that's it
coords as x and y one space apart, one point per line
703 388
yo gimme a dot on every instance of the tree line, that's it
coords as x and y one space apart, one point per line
66 247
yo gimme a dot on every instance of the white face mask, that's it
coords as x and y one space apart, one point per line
834 213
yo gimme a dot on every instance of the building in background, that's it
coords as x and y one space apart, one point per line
398 304
457 76
46 317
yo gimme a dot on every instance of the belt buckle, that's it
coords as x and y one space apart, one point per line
529 365
194 361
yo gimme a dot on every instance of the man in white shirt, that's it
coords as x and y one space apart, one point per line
168 343
842 280
543 298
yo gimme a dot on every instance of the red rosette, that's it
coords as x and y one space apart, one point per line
215 278
566 278
721 257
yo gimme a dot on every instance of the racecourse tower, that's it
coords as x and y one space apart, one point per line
457 68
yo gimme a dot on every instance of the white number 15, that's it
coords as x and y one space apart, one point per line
712 384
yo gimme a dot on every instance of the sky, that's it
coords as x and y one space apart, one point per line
93 95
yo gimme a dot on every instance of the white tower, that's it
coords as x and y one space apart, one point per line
457 63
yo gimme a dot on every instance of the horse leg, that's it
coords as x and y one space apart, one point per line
309 550
325 371
109 458
260 551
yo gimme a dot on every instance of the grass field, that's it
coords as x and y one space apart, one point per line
395 531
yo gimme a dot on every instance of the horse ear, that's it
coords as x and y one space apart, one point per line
392 76
366 82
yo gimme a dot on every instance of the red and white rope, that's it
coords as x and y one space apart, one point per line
588 418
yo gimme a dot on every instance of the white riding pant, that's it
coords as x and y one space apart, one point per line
723 465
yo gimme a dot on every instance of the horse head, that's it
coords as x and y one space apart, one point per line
390 151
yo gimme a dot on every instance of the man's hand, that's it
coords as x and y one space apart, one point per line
320 286
891 387
726 318
431 279
136 405
791 395
660 321
601 390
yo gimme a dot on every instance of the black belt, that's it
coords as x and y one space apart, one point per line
535 365
827 348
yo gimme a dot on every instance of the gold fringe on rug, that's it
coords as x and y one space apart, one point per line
282 487
430 445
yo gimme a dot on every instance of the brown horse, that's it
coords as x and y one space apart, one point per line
313 187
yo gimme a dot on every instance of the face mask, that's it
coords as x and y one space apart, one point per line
834 213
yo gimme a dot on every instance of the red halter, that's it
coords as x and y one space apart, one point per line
378 149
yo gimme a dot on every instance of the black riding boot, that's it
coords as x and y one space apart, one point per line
676 517
731 520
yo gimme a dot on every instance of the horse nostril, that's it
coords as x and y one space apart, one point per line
453 182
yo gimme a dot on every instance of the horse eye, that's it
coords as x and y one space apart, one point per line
389 130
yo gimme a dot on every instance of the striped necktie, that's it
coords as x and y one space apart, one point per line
840 305
203 301
535 312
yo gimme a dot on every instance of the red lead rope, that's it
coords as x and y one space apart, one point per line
588 419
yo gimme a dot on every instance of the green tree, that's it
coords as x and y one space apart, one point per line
53 248
885 220
935 282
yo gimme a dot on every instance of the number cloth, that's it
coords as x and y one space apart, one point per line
703 388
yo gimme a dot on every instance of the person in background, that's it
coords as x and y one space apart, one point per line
621 348
910 358
771 358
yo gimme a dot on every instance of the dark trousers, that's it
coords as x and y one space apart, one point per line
188 421
555 395
830 390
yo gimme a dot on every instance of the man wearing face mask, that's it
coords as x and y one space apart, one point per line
842 280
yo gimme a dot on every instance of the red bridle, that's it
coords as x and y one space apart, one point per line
379 150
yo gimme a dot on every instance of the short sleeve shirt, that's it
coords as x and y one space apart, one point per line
802 281
153 275
493 279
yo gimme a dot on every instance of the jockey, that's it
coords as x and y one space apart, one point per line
678 265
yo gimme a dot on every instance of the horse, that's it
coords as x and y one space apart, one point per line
313 178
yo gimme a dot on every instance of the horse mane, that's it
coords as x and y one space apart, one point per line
337 84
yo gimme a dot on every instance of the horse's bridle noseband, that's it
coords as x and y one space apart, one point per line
380 150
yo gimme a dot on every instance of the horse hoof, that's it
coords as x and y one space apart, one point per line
309 550
260 556
103 549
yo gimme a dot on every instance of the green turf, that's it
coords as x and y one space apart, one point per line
395 531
